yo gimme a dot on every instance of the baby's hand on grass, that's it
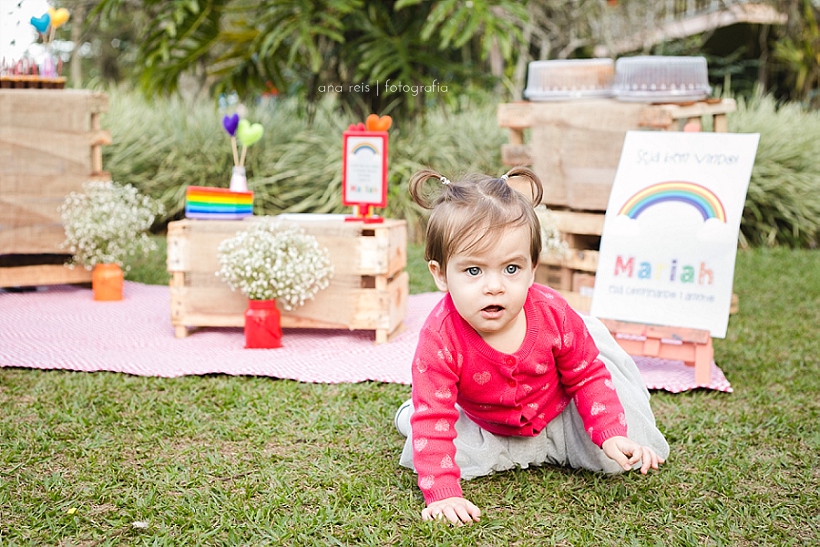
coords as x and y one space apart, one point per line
457 511
627 453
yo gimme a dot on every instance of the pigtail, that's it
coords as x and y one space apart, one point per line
416 186
535 183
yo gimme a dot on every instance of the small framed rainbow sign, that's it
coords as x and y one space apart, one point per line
364 169
669 242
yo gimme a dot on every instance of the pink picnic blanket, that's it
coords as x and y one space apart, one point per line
62 327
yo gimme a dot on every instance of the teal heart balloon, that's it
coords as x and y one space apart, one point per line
41 23
247 133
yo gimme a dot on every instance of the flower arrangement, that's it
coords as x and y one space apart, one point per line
272 260
551 240
107 222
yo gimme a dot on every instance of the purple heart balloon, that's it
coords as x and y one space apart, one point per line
230 123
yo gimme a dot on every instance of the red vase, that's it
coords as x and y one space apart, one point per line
263 328
107 281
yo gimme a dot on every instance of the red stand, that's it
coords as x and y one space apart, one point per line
361 213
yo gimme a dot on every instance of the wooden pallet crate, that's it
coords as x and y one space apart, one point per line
575 147
50 144
582 233
368 291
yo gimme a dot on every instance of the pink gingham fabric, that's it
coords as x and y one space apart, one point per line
63 327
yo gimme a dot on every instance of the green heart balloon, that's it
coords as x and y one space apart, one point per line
248 133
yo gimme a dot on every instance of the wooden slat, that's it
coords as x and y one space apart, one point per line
664 115
51 274
48 110
27 150
575 222
586 261
516 154
578 301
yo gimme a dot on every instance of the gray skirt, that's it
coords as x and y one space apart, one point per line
564 441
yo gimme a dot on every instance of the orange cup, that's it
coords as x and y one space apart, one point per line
106 282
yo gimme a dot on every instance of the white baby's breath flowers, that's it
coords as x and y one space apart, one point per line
107 223
272 260
551 241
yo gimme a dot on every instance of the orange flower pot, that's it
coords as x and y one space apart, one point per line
106 282
263 328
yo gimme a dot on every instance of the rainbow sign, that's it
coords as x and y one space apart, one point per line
699 197
365 146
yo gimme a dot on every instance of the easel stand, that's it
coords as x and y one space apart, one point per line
692 346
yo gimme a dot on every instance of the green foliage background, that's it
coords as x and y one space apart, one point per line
163 145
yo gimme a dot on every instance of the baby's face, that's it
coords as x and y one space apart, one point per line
489 287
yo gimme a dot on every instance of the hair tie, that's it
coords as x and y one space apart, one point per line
504 178
444 180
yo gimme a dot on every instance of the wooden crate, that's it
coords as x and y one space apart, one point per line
575 146
573 273
50 144
368 291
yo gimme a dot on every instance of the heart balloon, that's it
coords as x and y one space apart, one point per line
248 133
41 23
58 16
230 124
375 123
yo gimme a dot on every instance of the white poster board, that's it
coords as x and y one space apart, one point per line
669 242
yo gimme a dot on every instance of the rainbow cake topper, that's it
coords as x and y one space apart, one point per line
699 197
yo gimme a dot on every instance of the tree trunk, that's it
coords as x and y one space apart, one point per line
76 36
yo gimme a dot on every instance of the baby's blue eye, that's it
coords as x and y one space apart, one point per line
511 269
474 270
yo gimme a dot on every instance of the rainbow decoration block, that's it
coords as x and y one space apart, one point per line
217 203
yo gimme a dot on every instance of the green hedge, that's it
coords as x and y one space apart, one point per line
164 145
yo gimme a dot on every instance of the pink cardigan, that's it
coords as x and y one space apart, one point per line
505 394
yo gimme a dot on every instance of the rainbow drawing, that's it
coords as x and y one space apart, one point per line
700 197
217 203
365 146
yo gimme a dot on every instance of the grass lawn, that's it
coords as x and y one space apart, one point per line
219 460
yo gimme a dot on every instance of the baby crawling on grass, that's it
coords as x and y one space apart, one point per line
505 373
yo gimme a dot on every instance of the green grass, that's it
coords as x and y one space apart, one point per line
220 460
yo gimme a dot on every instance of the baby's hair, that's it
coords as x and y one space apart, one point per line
467 214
